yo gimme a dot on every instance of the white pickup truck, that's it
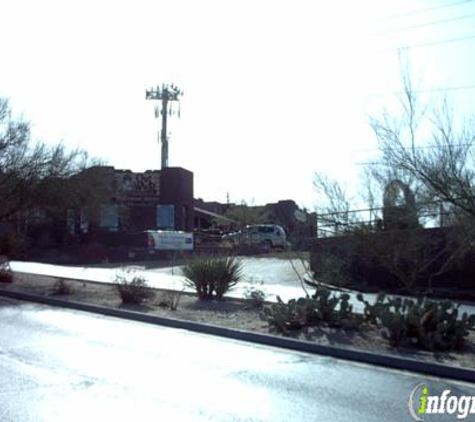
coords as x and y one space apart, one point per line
268 236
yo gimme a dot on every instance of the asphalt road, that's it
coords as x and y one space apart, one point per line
62 365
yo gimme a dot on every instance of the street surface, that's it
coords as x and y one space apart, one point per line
63 365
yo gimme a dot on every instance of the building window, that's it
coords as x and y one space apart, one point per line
109 218
166 217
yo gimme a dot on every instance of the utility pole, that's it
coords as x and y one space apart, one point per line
165 93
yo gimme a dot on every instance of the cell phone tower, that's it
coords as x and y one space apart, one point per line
166 94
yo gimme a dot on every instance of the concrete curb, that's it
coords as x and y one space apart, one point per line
158 289
394 362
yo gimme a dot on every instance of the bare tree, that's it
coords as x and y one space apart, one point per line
334 205
334 194
430 149
426 151
33 174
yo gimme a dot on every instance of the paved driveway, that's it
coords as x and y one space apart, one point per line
274 276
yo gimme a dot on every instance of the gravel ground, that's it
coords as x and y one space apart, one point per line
233 313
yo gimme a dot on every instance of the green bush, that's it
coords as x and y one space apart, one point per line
133 291
422 323
212 276
6 273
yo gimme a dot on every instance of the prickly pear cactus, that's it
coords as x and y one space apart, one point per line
423 323
324 307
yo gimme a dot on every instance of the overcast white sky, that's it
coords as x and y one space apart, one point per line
274 90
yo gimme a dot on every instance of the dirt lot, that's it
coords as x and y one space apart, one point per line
233 313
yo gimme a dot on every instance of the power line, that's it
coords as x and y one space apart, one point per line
430 43
429 9
449 88
422 25
369 163
376 163
410 147
424 203
425 91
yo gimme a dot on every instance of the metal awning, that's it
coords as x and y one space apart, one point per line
213 214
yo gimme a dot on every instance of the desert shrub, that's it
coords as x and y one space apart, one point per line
170 299
323 308
213 275
11 245
255 295
60 287
6 273
330 269
422 323
134 290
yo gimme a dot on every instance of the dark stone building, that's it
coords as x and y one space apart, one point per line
154 199
299 224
